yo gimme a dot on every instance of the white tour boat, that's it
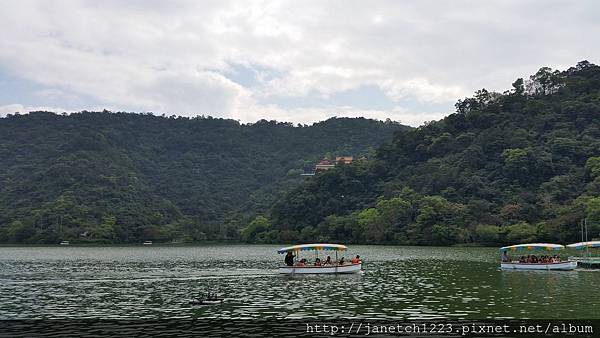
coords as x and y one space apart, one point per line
336 266
586 260
549 263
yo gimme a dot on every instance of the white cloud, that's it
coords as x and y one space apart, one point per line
173 56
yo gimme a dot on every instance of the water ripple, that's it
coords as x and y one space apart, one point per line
398 283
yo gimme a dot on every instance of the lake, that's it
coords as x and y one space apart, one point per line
157 282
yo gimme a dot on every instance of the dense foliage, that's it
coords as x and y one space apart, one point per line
518 166
125 178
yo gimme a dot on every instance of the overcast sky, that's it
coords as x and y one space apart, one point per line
298 61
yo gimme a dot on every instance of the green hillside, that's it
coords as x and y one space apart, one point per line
518 166
125 178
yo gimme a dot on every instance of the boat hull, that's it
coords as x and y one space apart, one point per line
587 262
333 269
569 265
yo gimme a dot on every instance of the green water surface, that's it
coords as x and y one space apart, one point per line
397 283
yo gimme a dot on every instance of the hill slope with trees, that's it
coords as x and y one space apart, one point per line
124 178
518 166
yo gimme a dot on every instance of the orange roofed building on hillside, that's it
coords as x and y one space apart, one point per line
344 159
324 165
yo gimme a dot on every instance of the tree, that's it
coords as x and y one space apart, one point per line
106 229
369 219
394 213
544 82
518 87
593 166
18 232
444 234
258 224
592 212
438 210
488 234
521 232
517 164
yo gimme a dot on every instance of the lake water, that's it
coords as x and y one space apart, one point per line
158 282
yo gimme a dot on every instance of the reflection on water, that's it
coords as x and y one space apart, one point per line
398 283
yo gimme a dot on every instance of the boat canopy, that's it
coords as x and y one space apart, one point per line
309 247
533 246
583 245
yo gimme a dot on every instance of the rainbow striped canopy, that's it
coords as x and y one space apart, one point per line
583 245
533 246
309 247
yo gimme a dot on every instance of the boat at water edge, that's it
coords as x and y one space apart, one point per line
553 263
336 267
586 260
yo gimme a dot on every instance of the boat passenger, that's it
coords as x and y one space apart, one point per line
341 262
302 262
327 261
289 259
317 262
505 257
356 259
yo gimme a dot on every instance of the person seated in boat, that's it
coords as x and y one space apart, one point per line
327 261
341 262
505 257
302 262
289 259
356 259
318 262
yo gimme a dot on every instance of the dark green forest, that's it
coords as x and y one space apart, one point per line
511 167
102 177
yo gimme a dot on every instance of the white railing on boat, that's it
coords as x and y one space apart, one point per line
564 265
323 269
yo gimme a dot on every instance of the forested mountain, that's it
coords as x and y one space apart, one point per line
124 178
518 166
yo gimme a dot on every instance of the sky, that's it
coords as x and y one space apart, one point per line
295 61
